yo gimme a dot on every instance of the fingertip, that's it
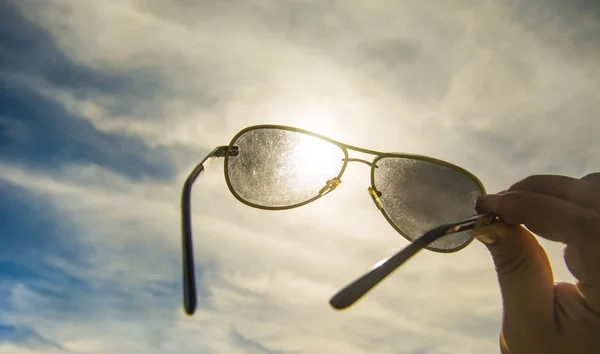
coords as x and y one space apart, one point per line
493 234
487 238
487 203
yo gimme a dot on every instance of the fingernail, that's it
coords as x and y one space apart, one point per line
484 202
488 238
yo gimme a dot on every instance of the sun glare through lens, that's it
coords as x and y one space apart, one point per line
281 168
418 195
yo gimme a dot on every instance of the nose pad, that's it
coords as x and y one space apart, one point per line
330 186
375 196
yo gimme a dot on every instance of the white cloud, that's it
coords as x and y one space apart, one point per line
467 83
364 67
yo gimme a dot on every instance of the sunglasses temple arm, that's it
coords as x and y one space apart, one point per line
359 287
189 279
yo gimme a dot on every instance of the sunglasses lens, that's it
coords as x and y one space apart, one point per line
281 168
418 195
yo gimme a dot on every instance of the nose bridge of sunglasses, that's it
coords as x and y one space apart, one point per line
363 159
369 163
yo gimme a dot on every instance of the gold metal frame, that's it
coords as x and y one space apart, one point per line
345 147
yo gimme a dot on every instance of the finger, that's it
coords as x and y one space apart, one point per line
550 217
558 220
583 261
584 325
525 279
592 178
591 296
578 191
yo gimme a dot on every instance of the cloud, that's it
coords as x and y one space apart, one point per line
27 338
486 70
250 345
107 105
39 130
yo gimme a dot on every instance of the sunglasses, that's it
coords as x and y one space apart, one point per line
428 201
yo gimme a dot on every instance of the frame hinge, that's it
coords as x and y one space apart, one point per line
221 151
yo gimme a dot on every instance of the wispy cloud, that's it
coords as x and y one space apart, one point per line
106 106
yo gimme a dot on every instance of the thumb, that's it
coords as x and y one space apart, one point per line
526 282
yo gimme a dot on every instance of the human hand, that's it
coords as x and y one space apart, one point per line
540 316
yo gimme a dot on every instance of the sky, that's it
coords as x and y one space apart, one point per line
106 106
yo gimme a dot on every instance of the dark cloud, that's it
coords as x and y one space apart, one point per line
31 235
46 271
27 50
249 345
40 132
30 231
27 338
567 28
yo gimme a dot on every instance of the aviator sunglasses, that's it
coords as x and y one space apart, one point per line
428 201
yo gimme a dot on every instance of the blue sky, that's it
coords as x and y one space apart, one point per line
106 106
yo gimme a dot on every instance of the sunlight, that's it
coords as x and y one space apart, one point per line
318 119
315 161
327 118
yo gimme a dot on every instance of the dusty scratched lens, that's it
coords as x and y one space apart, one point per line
282 168
419 195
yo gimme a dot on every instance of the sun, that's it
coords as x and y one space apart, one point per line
316 161
320 118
